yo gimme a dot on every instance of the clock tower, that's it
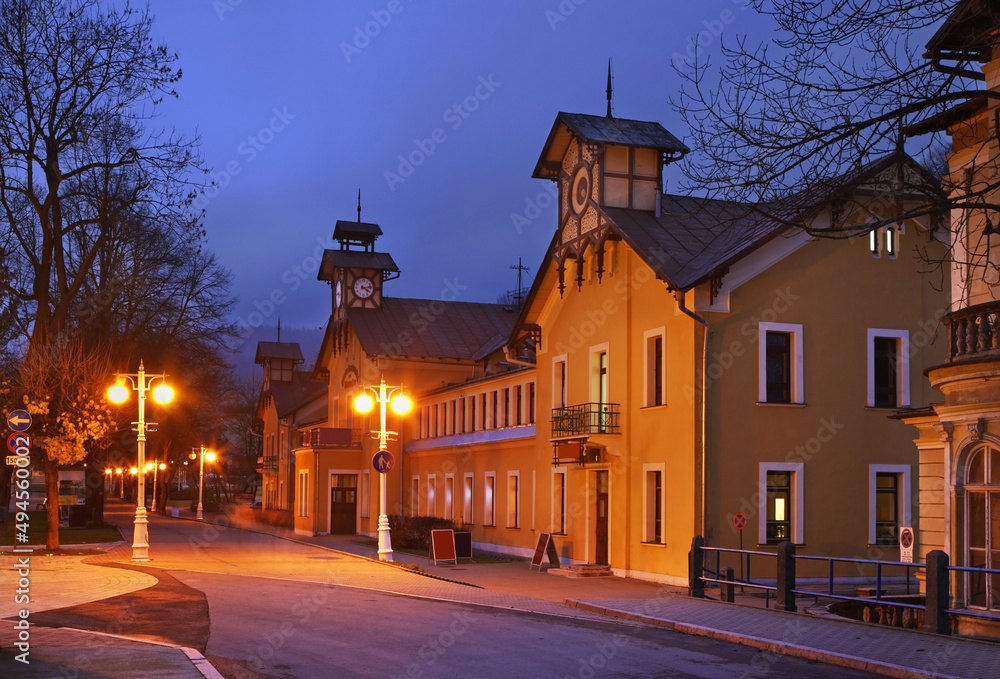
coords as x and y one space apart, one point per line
355 271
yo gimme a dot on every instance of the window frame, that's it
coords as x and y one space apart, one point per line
796 489
303 493
902 338
468 498
431 496
796 361
558 519
449 497
903 508
560 381
489 499
650 372
515 476
650 504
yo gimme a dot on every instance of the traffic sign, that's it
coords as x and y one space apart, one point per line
19 420
18 440
383 462
740 521
906 545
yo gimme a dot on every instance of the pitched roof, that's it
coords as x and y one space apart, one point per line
353 259
266 350
967 33
422 328
344 229
289 396
602 129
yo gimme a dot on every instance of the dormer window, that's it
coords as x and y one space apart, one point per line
631 176
281 369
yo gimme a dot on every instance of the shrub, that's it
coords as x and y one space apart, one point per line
414 532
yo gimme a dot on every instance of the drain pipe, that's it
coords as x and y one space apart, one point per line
679 295
514 361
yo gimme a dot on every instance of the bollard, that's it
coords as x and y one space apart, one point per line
786 577
938 591
728 591
696 567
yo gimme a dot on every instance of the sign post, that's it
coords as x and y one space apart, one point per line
740 522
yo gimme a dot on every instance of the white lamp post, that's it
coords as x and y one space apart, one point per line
202 454
154 466
140 383
363 403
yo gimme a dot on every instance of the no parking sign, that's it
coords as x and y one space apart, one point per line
906 545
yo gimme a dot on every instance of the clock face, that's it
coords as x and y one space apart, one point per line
338 294
579 190
363 287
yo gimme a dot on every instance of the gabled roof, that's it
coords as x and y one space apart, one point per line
345 230
267 350
353 259
604 130
289 396
967 33
421 328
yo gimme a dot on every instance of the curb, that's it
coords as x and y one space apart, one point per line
769 645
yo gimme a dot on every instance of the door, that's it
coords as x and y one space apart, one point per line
601 514
343 504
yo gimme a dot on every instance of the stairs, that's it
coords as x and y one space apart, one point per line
588 570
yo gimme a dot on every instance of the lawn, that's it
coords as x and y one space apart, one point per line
37 528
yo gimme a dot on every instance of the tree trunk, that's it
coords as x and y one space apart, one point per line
52 503
95 496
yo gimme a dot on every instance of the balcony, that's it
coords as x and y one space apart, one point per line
267 463
330 437
974 332
585 419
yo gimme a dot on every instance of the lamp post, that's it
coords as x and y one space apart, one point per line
201 454
140 383
121 482
383 461
154 466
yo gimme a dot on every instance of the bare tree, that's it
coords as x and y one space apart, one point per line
79 168
788 125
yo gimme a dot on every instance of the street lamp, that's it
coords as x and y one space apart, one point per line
203 453
383 460
154 466
140 383
121 482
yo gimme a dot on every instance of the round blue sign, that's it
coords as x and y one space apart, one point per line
19 420
383 462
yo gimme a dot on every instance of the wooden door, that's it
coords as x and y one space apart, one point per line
601 515
343 504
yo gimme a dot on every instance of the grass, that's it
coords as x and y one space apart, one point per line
38 528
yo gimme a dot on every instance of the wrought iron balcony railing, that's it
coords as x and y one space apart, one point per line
267 462
974 332
330 437
584 419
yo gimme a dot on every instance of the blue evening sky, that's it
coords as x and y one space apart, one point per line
301 103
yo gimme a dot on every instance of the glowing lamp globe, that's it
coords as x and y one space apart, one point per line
401 404
149 466
133 471
163 394
363 403
118 393
210 456
162 466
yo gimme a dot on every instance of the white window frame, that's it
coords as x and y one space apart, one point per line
415 495
303 493
647 369
365 493
431 501
648 498
449 497
902 472
516 476
798 381
903 369
468 498
557 522
798 499
561 359
595 371
489 499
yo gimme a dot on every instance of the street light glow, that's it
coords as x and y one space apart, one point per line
163 393
363 403
118 393
133 471
149 466
210 456
401 404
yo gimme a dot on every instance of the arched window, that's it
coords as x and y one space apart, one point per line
982 526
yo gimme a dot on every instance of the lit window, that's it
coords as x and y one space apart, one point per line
781 502
449 497
489 518
467 498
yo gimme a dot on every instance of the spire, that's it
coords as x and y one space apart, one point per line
609 89
279 329
359 206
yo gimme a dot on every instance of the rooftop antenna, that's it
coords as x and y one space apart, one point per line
609 89
359 206
279 329
520 288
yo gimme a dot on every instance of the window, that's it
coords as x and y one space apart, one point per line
531 403
888 501
599 384
885 239
780 363
304 493
559 500
435 419
489 517
366 486
483 423
982 527
495 411
513 499
630 177
506 407
281 369
454 417
431 506
518 404
559 382
654 374
467 487
781 503
415 496
449 497
652 493
888 368
472 414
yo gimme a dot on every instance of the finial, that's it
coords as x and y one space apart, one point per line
359 206
609 88
279 329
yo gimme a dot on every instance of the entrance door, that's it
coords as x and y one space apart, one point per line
343 504
601 556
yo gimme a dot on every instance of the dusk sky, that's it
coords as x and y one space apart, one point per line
300 104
